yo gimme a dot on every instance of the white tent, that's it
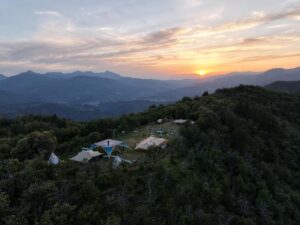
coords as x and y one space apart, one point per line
108 143
85 156
180 121
160 121
53 159
118 161
150 142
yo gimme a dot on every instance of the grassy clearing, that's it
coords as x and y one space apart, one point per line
167 130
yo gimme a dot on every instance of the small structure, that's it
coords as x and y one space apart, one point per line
53 159
180 121
151 142
159 121
108 145
160 132
118 161
85 156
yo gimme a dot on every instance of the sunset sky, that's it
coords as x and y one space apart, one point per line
143 38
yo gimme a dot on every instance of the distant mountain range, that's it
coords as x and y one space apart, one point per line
231 80
88 95
85 88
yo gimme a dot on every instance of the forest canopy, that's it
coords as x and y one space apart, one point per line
238 164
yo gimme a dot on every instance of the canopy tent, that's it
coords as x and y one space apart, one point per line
53 159
108 150
151 142
108 145
180 121
85 156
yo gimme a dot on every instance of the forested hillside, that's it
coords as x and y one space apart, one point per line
292 87
238 164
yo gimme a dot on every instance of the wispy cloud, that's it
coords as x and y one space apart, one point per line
214 38
258 20
48 13
166 35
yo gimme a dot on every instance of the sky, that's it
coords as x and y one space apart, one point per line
143 38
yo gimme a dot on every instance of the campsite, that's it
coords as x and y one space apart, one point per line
129 148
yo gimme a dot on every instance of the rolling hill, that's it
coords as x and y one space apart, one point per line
292 87
75 112
11 101
82 89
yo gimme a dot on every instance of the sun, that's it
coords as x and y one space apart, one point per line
201 72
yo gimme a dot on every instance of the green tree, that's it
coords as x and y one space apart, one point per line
36 143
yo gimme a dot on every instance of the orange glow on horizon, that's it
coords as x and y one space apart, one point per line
201 72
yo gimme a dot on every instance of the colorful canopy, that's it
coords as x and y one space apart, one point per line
108 150
108 145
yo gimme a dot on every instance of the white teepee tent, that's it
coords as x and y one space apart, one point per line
53 159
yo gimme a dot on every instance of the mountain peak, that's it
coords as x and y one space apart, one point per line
110 72
275 70
82 72
282 70
110 75
28 73
2 76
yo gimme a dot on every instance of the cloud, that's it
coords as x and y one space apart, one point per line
255 44
162 35
48 13
200 31
250 41
258 14
268 57
60 42
192 3
260 19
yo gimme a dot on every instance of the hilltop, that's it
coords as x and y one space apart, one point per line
238 164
